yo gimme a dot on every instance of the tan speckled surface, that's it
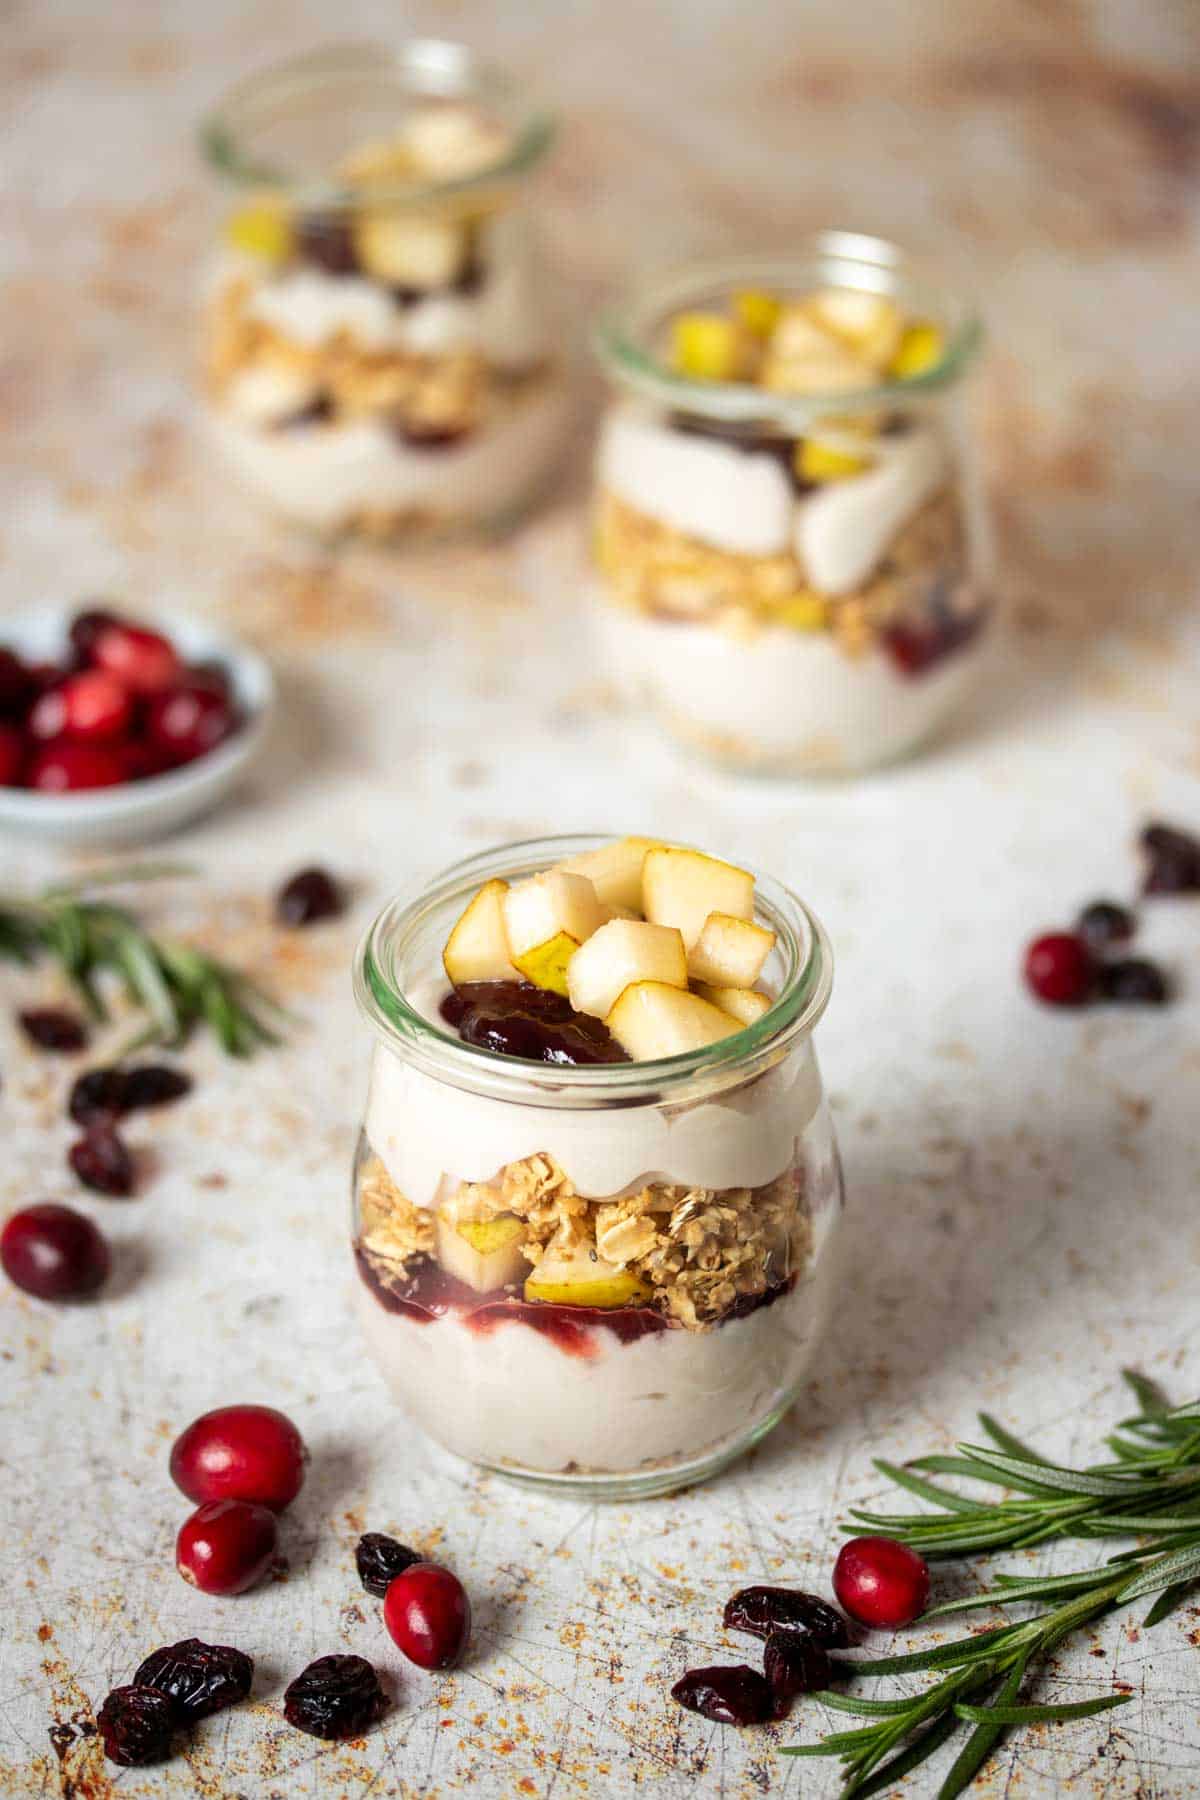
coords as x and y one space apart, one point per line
1022 1185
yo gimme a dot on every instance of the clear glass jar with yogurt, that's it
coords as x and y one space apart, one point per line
381 341
700 1194
789 548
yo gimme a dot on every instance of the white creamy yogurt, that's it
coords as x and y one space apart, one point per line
310 307
845 529
738 500
511 1397
782 699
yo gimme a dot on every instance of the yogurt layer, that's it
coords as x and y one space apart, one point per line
513 1398
738 500
783 698
324 475
844 530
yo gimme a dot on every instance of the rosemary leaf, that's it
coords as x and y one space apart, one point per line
1003 1714
926 1490
1004 1440
983 1739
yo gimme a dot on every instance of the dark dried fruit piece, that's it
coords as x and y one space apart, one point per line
335 1697
53 1028
1134 982
762 1610
1104 923
327 241
54 1252
309 895
101 1095
794 1663
1173 860
379 1559
732 1696
198 1678
136 1725
102 1161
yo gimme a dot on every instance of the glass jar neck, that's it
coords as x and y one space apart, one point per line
401 953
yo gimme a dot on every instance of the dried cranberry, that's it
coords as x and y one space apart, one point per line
309 895
794 1663
188 721
428 1614
54 1252
12 756
430 437
86 627
101 1160
514 1018
226 1546
143 661
1134 982
92 706
154 1084
1172 860
327 241
732 1696
762 1610
335 1697
197 1678
66 767
1059 969
379 1559
97 1096
917 648
53 1028
1104 922
240 1453
136 1725
881 1582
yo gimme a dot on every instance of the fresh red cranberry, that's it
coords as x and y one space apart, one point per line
12 756
794 1663
1134 981
212 676
730 1696
188 721
335 1697
198 1678
1059 968
136 1725
86 627
143 660
762 1610
54 1252
17 684
101 1160
92 706
880 1582
226 1546
308 896
65 767
240 1453
428 1614
54 1028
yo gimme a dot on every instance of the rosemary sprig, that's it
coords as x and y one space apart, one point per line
1151 1490
176 987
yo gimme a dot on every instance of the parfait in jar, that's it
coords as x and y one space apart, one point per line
596 1187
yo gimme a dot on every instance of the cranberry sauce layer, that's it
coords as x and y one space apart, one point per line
514 1018
429 1293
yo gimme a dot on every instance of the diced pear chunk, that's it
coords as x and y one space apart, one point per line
584 1280
652 1019
746 1005
621 952
483 1253
615 870
815 461
706 346
757 311
261 229
407 250
920 347
477 948
546 919
681 888
546 964
729 952
870 324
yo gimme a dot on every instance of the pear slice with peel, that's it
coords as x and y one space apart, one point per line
651 1020
546 964
477 948
483 1253
615 870
545 920
746 1005
584 1280
622 951
730 952
682 887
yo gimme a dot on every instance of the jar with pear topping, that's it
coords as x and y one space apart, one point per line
597 1190
381 342
790 555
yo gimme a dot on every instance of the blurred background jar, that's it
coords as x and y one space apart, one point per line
382 346
790 554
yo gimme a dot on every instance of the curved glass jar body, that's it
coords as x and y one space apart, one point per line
381 342
709 1182
780 621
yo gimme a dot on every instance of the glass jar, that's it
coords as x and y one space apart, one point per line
796 579
711 1182
381 341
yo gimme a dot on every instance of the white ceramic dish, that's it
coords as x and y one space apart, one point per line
141 810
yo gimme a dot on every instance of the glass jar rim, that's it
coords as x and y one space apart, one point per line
440 1053
430 68
623 334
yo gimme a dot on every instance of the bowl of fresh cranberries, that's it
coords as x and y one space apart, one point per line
116 729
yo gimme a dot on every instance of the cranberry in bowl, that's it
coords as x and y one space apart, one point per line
115 729
596 1188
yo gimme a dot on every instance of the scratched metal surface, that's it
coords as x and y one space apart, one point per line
1022 1186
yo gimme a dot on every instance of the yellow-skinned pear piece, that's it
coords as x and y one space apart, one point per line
746 1005
681 888
584 1280
622 951
477 948
546 964
920 348
652 1019
757 311
546 919
615 870
870 324
261 229
494 1261
815 461
730 952
407 250
706 346
804 612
